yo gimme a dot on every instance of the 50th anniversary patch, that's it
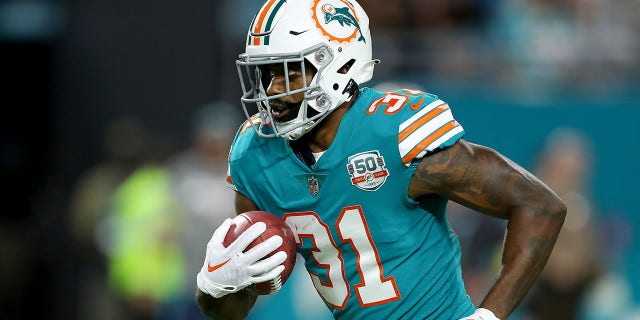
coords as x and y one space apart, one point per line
367 170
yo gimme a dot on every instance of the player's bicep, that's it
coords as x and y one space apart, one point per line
479 178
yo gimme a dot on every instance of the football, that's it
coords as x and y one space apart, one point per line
275 226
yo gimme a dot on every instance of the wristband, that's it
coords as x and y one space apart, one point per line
484 314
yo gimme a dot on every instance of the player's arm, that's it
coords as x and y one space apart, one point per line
234 305
482 179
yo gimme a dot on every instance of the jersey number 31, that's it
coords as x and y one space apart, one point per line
374 288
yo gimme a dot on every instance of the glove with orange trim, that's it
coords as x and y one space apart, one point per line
229 269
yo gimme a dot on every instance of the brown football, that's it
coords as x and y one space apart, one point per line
275 226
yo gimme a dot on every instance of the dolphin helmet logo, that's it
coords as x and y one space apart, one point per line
343 16
337 20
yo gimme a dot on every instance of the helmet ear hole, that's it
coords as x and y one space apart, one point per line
336 86
345 67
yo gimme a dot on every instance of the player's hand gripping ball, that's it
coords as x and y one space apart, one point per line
275 226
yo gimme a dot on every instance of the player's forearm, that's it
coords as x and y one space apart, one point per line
531 236
232 306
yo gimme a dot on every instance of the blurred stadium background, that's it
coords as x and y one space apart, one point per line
113 144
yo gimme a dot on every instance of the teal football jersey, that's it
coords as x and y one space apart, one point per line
371 251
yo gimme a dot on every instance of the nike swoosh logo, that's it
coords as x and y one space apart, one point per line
211 268
297 33
417 105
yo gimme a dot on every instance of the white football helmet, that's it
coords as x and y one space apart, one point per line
328 34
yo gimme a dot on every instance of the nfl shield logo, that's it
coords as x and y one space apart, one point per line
313 186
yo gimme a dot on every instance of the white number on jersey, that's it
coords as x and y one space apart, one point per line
374 288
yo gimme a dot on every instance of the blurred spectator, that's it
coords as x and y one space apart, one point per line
442 14
546 43
126 218
198 181
427 15
609 42
538 39
387 16
145 262
535 45
432 38
574 264
611 295
123 146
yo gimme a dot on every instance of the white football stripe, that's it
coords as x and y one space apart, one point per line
441 140
424 131
457 129
419 114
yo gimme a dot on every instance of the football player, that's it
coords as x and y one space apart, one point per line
363 177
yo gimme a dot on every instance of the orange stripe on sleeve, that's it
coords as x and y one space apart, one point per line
428 140
245 126
424 119
263 14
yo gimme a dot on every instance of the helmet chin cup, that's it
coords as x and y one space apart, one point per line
332 36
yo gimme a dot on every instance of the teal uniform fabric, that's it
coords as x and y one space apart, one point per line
370 250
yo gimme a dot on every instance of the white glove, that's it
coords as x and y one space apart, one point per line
481 314
227 270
